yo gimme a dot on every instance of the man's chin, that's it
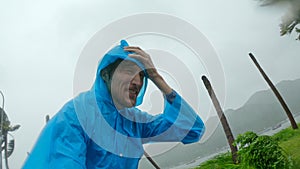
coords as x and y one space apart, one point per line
132 102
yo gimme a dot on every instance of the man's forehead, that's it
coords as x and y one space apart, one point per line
129 64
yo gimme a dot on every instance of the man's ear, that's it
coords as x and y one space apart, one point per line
105 76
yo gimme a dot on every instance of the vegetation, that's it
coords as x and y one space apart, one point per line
219 162
259 151
291 18
6 144
289 140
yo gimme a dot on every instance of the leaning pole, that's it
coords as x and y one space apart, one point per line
222 118
275 91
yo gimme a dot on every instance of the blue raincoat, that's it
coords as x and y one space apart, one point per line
90 133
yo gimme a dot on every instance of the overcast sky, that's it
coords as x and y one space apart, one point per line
41 41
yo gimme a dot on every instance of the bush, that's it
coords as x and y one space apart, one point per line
261 152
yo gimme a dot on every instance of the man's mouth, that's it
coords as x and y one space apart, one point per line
133 92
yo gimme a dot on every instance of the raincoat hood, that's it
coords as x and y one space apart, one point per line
108 127
118 52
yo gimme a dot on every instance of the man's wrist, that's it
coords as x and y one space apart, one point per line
153 74
171 96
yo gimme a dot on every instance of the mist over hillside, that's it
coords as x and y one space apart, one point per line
262 111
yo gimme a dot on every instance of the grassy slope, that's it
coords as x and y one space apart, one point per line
289 140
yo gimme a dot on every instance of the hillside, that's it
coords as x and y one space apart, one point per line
263 110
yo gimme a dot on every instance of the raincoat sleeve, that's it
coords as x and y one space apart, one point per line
178 122
68 147
61 144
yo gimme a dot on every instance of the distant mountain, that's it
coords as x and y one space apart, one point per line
261 111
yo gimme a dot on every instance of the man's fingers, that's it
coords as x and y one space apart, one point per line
136 56
140 55
134 49
142 58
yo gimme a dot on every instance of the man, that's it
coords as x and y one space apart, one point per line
102 128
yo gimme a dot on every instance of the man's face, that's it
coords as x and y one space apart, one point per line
126 84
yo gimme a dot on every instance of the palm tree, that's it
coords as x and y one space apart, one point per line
291 18
6 144
222 118
277 94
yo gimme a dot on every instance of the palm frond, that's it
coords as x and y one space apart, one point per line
10 147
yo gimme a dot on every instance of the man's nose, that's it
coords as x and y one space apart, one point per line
137 80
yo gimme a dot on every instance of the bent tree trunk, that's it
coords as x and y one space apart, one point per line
277 94
222 118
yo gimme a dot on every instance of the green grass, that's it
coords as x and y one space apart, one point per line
219 162
288 139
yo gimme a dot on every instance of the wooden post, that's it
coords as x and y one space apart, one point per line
47 118
151 160
277 94
222 118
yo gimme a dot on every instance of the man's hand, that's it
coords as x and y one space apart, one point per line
146 60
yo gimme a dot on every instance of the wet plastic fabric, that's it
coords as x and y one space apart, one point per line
90 133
